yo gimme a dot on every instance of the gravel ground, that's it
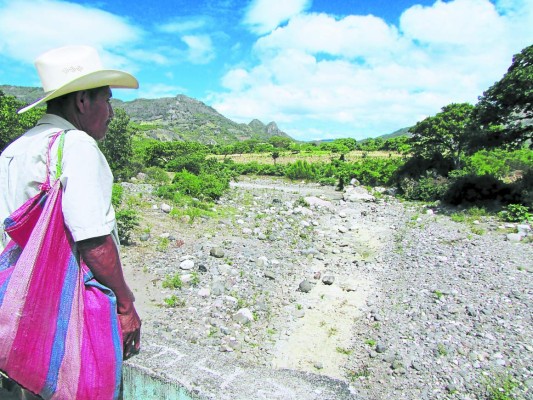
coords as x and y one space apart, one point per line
395 299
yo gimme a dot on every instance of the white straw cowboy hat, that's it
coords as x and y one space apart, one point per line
72 68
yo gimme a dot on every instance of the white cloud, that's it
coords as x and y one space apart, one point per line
28 28
263 16
200 48
358 76
350 37
460 22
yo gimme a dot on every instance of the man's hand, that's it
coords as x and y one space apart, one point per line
101 256
131 332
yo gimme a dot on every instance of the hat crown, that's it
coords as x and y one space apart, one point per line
59 66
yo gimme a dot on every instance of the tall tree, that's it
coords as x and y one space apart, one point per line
447 133
117 145
505 111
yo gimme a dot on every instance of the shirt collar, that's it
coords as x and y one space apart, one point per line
56 121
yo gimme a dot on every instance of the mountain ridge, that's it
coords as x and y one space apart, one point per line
175 118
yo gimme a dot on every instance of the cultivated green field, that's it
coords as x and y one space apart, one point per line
311 157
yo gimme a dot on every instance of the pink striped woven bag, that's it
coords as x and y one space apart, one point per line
60 336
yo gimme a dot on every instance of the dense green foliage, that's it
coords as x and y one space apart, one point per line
505 111
117 146
12 125
127 218
447 134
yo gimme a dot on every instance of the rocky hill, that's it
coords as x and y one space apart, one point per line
176 118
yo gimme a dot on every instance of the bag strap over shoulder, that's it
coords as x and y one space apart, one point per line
59 167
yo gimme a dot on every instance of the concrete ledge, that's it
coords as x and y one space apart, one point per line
185 371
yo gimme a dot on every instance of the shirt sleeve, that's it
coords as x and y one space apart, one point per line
87 185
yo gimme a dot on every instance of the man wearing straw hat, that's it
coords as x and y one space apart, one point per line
77 92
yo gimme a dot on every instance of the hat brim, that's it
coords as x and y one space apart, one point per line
108 77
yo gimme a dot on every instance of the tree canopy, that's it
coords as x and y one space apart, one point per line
505 111
447 133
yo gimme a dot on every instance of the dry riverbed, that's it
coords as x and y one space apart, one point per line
393 298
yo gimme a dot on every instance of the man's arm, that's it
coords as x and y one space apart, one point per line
101 256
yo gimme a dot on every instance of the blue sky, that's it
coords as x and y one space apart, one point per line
319 69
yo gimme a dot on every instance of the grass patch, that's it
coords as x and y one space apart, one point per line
344 351
174 301
173 282
354 375
502 387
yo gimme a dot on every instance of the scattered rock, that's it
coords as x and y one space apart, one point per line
305 286
217 252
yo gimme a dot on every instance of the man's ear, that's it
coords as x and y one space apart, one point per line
82 100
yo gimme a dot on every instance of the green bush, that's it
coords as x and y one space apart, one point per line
157 175
425 189
127 221
117 194
203 186
301 170
486 162
370 171
173 282
498 162
515 213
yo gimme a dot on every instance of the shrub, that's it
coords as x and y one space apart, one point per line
425 189
486 162
370 171
203 186
301 170
127 221
157 175
515 213
479 189
116 195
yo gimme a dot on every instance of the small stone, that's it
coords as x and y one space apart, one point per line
397 365
202 268
328 279
217 252
144 237
514 237
243 316
305 286
166 208
218 288
262 261
318 365
187 265
416 365
451 388
381 348
270 275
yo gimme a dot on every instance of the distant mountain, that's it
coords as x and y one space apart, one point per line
176 118
399 132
